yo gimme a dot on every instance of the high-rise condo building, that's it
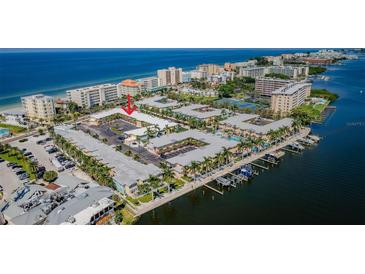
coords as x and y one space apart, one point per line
170 77
209 68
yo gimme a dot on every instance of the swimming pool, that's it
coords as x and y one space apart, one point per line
236 138
4 132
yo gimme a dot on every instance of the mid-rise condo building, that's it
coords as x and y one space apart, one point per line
39 107
253 72
284 99
265 86
130 87
149 83
291 71
93 96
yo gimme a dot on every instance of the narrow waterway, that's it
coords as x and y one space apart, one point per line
323 185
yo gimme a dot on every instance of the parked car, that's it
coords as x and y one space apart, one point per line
1 189
19 172
15 166
41 168
28 153
34 160
48 139
11 164
69 165
40 174
41 142
23 176
23 140
1 160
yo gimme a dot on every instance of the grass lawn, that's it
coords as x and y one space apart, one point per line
162 190
187 178
128 217
240 95
177 182
313 110
133 201
146 198
20 162
116 130
13 129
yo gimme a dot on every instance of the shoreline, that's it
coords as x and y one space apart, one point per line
60 92
144 208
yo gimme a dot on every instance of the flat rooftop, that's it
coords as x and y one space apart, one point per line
127 171
86 202
214 145
245 122
199 111
291 88
161 123
158 102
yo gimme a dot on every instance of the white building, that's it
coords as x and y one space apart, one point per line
253 72
291 71
170 77
95 95
39 107
250 63
198 74
186 76
149 83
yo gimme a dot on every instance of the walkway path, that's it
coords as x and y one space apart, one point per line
198 183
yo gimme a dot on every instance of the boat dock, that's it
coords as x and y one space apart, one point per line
268 161
190 186
214 189
260 166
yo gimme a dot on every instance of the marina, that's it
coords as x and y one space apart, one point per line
219 175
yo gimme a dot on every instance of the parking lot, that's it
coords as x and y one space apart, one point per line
8 180
38 150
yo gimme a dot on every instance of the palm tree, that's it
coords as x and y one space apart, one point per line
75 116
167 172
226 154
241 147
194 166
153 181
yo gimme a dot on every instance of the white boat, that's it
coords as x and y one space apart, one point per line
314 138
296 145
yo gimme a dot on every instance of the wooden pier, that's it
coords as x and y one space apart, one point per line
260 166
290 150
214 189
268 161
